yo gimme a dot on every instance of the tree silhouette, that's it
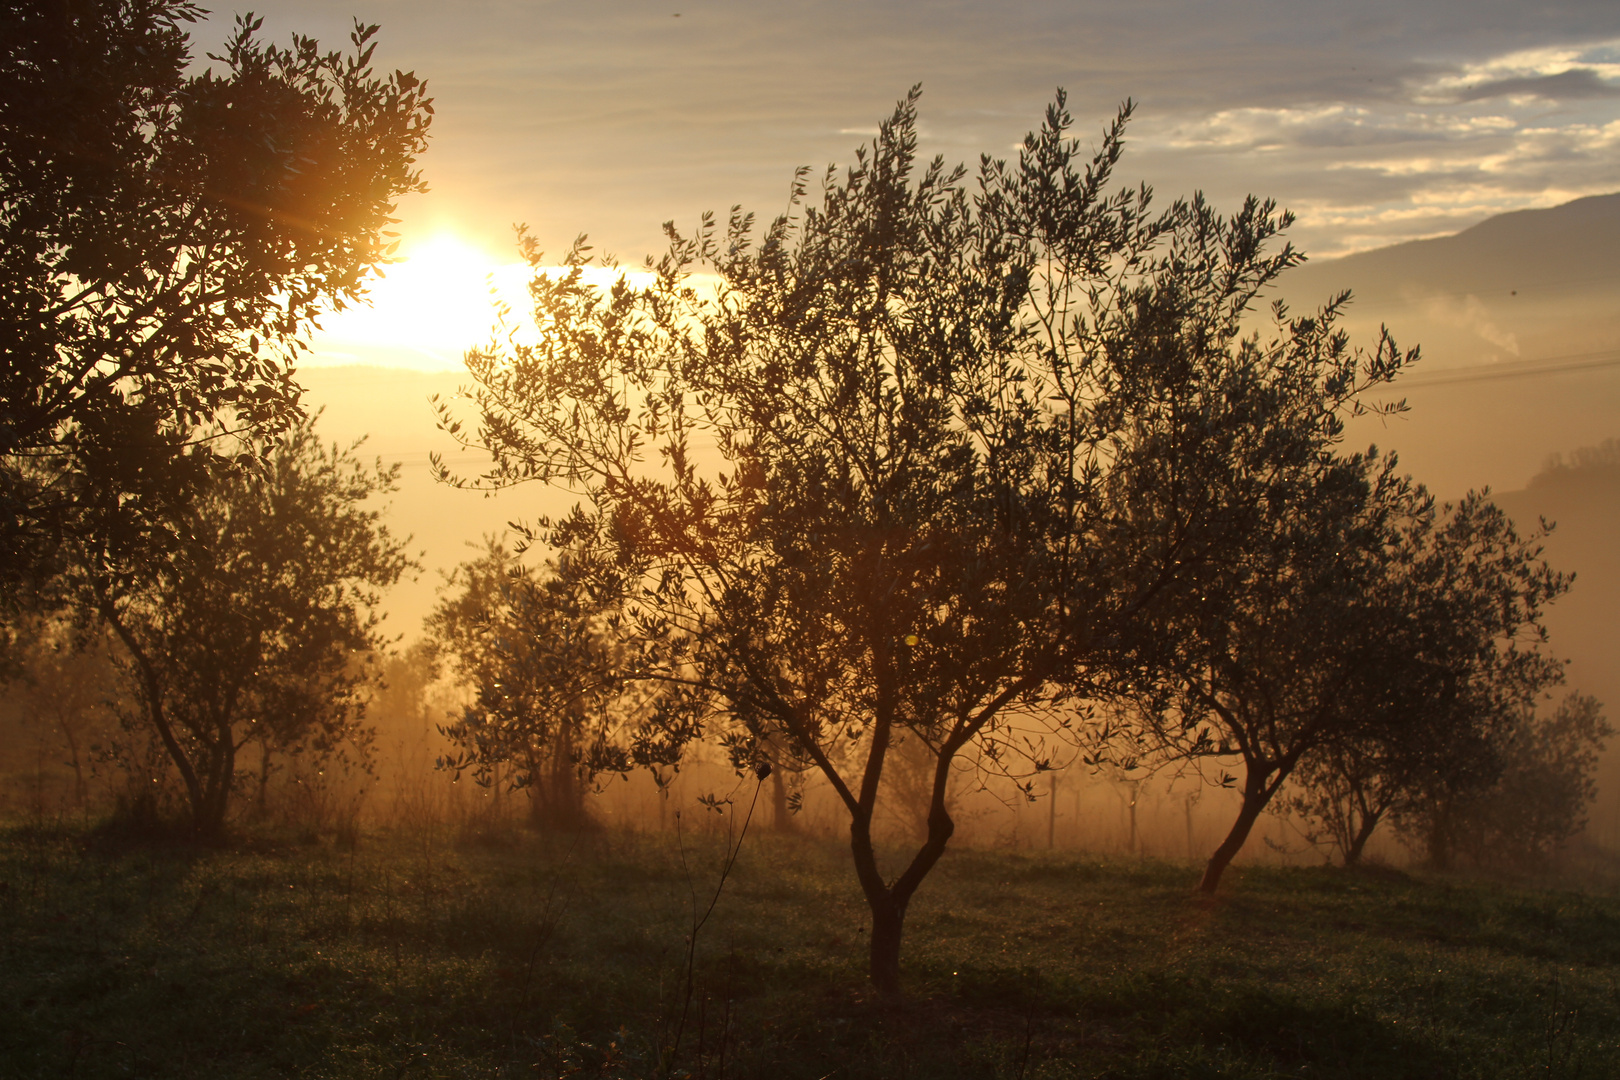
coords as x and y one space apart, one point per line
1270 661
167 239
916 461
556 699
258 625
1374 641
1523 795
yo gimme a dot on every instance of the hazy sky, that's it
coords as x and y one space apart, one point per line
1375 121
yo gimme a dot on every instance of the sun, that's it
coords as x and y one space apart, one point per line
425 311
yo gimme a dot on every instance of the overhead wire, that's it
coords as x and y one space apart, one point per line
1517 369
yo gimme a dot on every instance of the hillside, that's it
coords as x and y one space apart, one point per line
1530 257
1518 319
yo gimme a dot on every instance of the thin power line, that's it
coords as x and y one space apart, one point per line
1519 369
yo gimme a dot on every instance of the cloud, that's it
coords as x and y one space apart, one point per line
1471 315
1425 152
1576 84
1337 127
1559 73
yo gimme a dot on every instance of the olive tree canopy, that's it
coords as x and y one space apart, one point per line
167 238
260 623
914 462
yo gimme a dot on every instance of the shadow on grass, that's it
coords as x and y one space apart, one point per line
552 956
1331 1039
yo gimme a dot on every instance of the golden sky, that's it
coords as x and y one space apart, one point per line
1376 121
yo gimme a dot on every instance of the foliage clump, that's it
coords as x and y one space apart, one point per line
168 238
926 460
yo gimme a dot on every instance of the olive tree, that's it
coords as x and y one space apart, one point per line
1365 638
1522 796
259 626
555 697
1463 660
1265 663
168 237
914 461
1547 785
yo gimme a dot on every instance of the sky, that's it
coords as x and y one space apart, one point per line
1375 122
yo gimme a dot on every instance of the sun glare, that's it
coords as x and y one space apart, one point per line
426 310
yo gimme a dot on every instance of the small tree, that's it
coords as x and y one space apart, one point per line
1340 792
1547 784
920 461
167 239
1280 656
259 626
1467 594
555 698
1368 632
1523 802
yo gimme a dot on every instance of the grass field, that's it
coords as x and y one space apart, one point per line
419 955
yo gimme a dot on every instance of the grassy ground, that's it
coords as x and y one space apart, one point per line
414 957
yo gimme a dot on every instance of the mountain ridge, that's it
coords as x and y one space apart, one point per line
1522 253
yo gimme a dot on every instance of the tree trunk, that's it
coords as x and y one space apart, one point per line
1051 813
81 790
888 920
1136 788
209 813
568 788
888 903
888 913
152 691
555 791
1255 797
1358 843
262 809
1187 813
